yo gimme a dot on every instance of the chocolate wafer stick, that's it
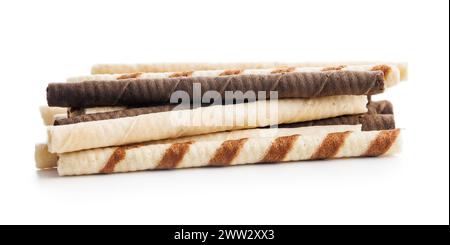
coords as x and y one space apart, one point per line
369 122
159 91
230 152
116 114
380 107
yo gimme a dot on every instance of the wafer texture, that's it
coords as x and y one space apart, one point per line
131 92
392 73
173 124
230 152
45 159
176 67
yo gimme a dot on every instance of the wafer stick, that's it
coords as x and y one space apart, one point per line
391 72
173 124
230 152
116 114
159 91
174 67
374 107
45 159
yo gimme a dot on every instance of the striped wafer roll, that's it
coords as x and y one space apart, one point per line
391 72
173 124
45 159
174 67
230 152
159 91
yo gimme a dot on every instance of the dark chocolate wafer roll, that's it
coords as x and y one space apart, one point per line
159 91
377 122
369 122
115 114
380 107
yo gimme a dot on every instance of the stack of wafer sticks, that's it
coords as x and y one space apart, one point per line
125 118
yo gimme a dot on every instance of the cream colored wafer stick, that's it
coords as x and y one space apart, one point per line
45 159
176 67
174 124
230 152
392 73
48 113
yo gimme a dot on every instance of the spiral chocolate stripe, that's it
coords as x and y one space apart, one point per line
330 146
382 143
279 148
227 151
174 155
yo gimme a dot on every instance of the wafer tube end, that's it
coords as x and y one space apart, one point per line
43 158
404 71
48 113
393 78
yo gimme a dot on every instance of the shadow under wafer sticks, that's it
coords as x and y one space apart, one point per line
151 119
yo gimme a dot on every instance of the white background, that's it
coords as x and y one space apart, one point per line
47 41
